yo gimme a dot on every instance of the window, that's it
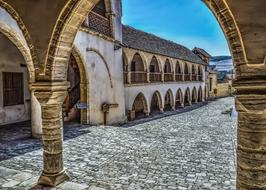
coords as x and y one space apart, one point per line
13 93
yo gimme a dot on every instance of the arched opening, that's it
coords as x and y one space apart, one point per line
186 72
137 69
168 75
194 96
178 72
156 103
17 103
187 98
168 101
71 112
194 73
200 95
179 99
140 107
155 74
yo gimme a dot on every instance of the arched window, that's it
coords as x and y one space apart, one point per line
155 75
168 75
187 74
178 72
138 73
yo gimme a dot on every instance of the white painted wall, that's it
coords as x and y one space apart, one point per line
104 87
10 60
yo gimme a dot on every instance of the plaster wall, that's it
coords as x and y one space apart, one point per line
104 70
11 61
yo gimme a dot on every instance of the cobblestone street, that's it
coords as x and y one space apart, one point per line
193 150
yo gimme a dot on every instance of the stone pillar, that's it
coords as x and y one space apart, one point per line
251 146
162 77
173 108
129 77
148 77
51 97
36 117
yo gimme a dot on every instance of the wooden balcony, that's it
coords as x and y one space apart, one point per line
187 77
168 77
155 77
200 78
99 24
139 77
194 77
178 77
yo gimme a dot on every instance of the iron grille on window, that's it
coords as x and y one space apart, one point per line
13 92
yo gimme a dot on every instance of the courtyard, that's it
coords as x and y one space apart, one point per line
191 150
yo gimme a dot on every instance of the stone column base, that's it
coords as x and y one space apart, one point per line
53 180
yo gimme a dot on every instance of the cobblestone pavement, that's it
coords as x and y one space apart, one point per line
193 150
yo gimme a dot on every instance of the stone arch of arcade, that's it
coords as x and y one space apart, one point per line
187 97
156 103
169 103
179 99
57 36
140 106
194 97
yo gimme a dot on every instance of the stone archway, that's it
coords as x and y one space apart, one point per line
194 96
156 103
179 99
140 106
200 95
169 101
84 86
75 107
187 98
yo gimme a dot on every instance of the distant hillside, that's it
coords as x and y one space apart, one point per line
220 58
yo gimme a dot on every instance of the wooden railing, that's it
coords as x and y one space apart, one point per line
194 77
139 77
187 77
99 24
168 77
178 77
200 78
155 77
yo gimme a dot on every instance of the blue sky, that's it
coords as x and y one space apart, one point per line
187 22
